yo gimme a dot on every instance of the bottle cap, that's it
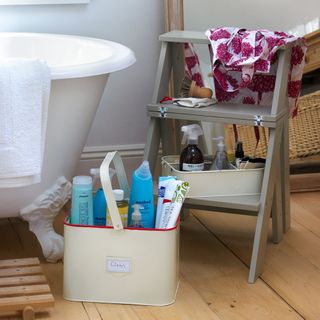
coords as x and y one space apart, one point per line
118 194
95 171
82 180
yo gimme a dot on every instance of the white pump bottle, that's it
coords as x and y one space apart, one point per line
220 161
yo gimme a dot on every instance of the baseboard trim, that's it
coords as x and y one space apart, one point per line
99 152
305 182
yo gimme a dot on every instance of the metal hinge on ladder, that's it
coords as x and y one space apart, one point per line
258 120
163 112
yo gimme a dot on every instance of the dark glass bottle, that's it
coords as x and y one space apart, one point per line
191 159
239 154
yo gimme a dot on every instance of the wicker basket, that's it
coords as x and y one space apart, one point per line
304 131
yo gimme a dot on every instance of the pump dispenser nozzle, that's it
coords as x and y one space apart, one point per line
220 144
191 132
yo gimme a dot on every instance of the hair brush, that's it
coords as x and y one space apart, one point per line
189 88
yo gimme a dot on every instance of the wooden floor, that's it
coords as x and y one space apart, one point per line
215 254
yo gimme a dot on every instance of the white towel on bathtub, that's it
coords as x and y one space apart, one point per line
24 97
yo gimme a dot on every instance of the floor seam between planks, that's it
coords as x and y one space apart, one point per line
306 227
86 311
246 265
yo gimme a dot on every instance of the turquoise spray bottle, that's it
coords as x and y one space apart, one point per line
142 194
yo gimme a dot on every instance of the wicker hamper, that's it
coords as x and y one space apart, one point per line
304 131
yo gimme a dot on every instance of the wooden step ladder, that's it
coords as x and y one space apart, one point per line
23 287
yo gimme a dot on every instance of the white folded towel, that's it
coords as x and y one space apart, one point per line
194 102
24 97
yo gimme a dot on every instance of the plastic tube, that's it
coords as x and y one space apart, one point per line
168 195
163 181
176 205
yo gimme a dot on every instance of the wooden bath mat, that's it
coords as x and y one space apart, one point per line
23 287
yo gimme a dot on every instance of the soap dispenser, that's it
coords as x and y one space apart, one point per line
135 221
220 161
191 158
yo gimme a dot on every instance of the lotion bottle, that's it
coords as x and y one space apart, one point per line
81 205
122 205
191 158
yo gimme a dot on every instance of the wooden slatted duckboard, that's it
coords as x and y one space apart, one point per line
23 287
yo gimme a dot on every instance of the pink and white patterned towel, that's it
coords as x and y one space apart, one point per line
244 65
192 64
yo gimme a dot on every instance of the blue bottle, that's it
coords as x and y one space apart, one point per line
142 194
99 208
81 205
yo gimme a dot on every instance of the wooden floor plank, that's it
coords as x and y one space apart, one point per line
92 311
221 279
305 210
188 306
116 311
308 200
292 268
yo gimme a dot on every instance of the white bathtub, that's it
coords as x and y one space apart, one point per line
79 71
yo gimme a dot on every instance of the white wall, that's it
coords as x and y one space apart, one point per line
252 14
121 118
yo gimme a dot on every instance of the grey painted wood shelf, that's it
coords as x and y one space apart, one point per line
274 198
224 113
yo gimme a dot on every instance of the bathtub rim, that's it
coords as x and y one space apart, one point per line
122 57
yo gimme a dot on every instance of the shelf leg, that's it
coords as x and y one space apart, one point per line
285 172
277 214
268 185
151 148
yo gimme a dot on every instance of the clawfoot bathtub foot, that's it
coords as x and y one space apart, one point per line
41 213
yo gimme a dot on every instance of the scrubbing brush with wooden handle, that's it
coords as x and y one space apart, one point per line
189 88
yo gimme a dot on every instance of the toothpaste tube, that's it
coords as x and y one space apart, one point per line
163 181
176 205
168 195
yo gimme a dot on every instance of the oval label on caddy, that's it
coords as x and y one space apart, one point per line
118 265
